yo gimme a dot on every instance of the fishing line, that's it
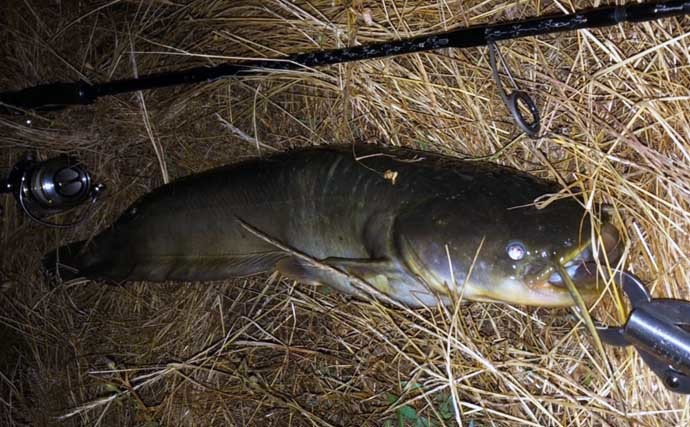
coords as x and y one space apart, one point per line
53 96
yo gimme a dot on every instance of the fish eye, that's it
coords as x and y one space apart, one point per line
516 251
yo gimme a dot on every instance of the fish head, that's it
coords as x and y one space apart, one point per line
505 254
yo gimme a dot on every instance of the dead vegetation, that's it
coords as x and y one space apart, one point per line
269 352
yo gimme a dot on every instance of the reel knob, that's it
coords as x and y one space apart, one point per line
70 183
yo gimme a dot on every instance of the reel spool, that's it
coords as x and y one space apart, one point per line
50 187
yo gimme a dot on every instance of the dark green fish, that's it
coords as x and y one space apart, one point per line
418 226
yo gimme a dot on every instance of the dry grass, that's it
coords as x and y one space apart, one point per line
269 352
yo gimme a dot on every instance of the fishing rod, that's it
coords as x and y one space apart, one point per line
59 95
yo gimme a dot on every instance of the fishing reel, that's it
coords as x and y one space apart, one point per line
50 187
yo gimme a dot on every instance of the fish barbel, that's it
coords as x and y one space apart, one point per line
419 227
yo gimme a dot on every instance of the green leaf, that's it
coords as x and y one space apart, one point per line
408 412
446 408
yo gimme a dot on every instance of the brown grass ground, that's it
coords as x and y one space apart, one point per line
269 352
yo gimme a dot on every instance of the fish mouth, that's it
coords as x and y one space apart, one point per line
578 268
581 266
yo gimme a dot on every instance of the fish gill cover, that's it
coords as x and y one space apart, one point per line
267 351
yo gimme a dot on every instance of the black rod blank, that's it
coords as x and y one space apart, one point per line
57 95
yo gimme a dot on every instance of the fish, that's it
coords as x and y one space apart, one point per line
419 227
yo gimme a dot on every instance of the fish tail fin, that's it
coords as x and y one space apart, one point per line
66 262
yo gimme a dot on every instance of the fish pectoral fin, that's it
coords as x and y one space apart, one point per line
304 272
361 268
380 273
374 272
298 270
384 275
